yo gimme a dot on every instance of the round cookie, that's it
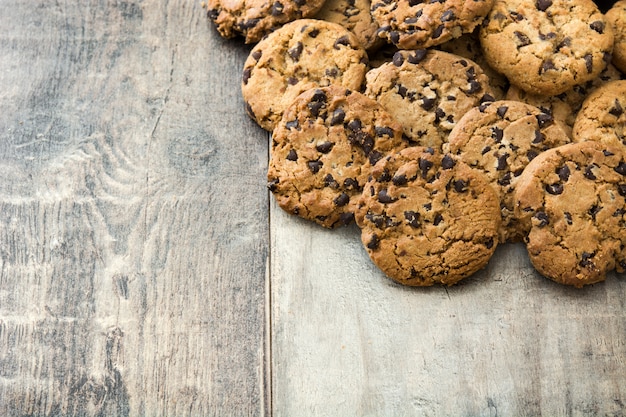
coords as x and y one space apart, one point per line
616 16
300 55
355 16
322 150
421 24
500 139
468 46
573 199
254 19
547 46
427 218
427 91
602 116
565 106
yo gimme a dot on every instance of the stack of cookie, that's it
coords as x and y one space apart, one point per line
445 128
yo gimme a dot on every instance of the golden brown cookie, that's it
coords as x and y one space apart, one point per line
300 55
254 19
547 46
427 218
602 116
573 199
322 150
422 24
616 16
500 139
565 106
355 16
428 91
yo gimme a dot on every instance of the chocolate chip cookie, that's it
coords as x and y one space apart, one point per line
565 106
300 55
547 46
254 19
616 16
322 150
427 218
422 24
573 199
602 116
500 139
428 91
355 16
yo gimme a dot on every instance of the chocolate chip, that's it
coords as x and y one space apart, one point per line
546 65
563 173
543 218
502 163
474 87
385 198
342 41
346 218
324 147
585 261
621 168
412 218
485 150
428 103
374 156
621 189
538 137
497 134
246 75
417 56
342 200
568 218
315 166
531 154
594 210
277 8
351 183
314 32
398 59
489 243
505 180
522 38
544 119
428 206
588 62
383 131
555 188
293 124
329 181
292 155
589 172
460 186
598 26
373 243
399 179
271 185
543 5
617 109
424 165
447 162
338 117
438 219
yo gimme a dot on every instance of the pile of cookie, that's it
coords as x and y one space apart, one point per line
446 128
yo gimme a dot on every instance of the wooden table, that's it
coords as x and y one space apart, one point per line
145 270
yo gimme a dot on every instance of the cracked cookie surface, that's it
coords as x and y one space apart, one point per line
573 199
500 139
427 218
322 151
300 55
602 115
428 91
422 24
254 19
547 46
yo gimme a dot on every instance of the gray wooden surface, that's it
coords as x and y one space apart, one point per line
145 271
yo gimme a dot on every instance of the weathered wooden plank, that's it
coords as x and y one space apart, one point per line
348 341
133 214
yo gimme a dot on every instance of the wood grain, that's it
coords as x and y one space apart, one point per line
506 342
133 213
